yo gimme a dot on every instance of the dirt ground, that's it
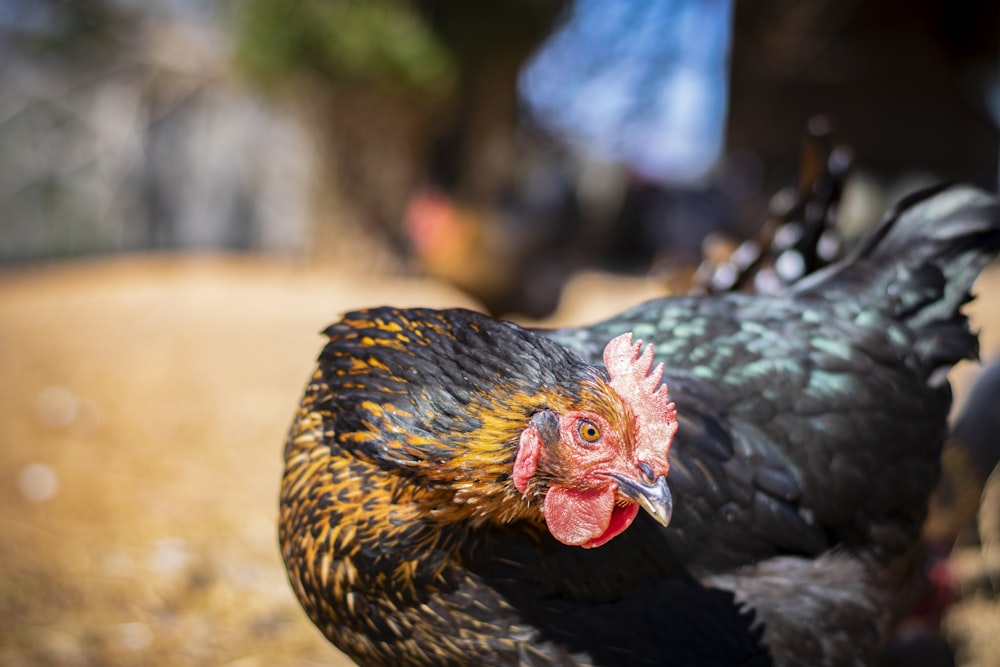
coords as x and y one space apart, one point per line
142 411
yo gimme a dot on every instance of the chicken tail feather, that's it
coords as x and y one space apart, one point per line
920 263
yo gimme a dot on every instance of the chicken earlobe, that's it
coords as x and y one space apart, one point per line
526 462
543 428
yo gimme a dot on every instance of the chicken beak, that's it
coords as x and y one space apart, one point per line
655 497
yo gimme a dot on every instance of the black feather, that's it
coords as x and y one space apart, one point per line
810 431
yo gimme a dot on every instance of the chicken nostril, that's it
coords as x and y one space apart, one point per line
647 471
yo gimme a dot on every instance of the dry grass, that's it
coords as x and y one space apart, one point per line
142 411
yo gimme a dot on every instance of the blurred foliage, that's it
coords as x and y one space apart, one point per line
384 42
66 30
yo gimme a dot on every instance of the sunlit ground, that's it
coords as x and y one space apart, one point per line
142 411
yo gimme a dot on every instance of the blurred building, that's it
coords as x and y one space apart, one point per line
124 128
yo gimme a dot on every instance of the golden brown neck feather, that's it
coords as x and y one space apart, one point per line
404 446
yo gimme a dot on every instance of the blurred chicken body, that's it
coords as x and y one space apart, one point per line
444 468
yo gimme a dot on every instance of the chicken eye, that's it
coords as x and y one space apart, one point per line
588 431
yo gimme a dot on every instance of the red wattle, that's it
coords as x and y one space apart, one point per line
621 518
586 518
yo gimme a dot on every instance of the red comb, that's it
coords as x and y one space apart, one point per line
642 390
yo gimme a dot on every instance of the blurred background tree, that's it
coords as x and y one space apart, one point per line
501 146
406 96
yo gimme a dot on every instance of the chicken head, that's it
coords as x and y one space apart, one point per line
601 463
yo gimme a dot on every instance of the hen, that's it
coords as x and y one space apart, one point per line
442 465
